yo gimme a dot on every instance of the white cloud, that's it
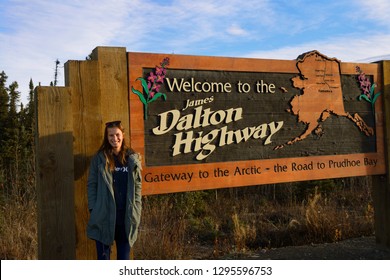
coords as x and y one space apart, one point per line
376 10
346 49
43 31
236 30
182 26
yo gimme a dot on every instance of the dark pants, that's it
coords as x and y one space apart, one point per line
122 246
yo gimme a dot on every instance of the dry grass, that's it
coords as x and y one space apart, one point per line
18 222
162 234
213 223
210 224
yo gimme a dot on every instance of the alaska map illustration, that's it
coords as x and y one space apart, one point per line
320 82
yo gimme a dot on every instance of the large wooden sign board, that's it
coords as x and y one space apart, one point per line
223 122
205 123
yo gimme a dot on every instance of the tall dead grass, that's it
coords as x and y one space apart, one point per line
163 231
18 216
212 223
209 224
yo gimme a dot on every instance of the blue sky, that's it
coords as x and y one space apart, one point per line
34 33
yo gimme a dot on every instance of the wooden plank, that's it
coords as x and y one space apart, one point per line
381 184
83 78
100 90
55 187
113 85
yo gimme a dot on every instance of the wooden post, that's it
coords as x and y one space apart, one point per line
99 94
381 184
114 85
54 163
83 78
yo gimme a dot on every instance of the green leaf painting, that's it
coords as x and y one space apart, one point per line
151 86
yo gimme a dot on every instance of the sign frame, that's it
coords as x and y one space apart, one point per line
202 176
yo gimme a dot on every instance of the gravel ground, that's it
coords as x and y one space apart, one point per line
363 248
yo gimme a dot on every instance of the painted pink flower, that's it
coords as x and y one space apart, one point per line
165 62
151 85
159 71
365 83
160 79
367 88
151 77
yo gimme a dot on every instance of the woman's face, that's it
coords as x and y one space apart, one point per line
115 138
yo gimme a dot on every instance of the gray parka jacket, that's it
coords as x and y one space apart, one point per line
101 201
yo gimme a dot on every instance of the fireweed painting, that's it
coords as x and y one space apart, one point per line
151 86
367 88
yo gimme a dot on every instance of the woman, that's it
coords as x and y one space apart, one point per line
114 194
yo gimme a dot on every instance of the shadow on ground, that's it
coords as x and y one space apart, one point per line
363 248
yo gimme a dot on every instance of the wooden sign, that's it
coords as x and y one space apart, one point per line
215 122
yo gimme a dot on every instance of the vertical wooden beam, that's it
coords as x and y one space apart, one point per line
54 163
113 80
99 94
83 78
114 84
381 184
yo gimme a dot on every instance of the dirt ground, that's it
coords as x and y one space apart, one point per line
363 248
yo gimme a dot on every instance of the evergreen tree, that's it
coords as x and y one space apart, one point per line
3 118
4 108
17 157
14 95
31 113
12 126
27 128
31 95
27 115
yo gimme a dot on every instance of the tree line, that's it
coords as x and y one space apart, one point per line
17 156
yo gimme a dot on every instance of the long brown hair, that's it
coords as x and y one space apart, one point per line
106 147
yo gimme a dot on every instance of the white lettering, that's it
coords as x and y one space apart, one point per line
201 118
193 86
187 141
